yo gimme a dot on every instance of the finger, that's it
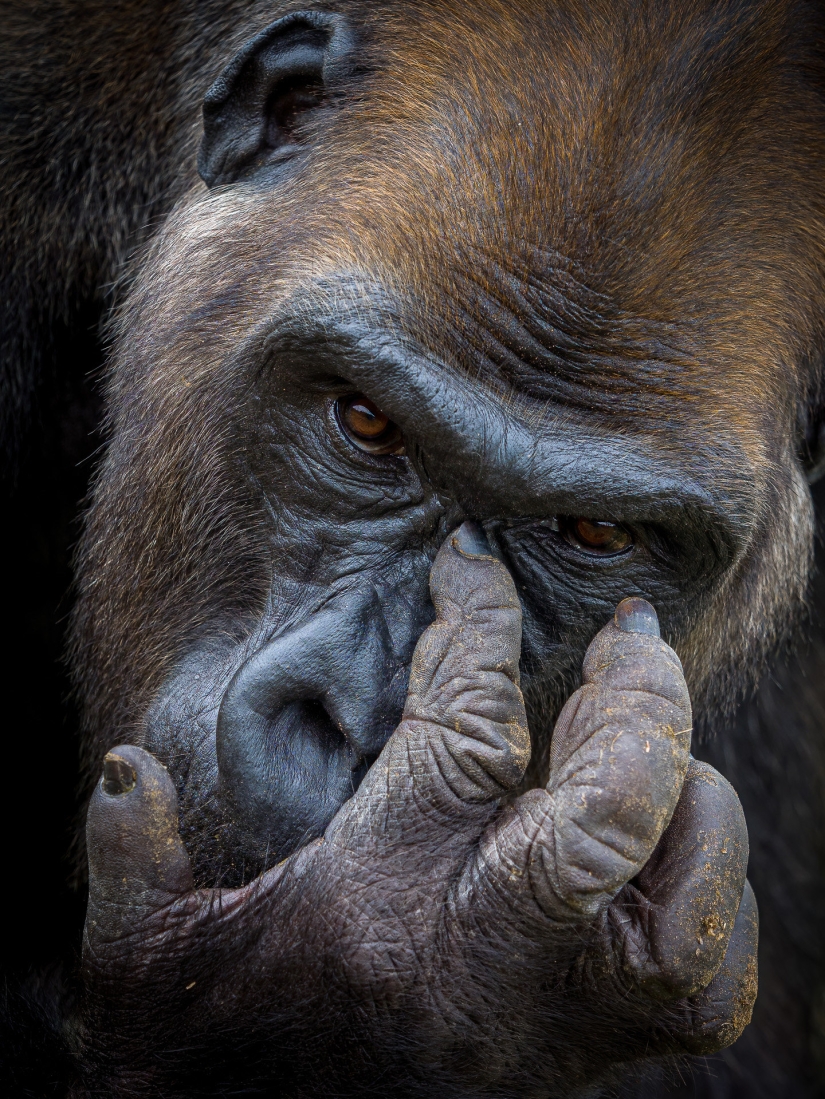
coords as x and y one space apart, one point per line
619 755
718 1015
676 926
463 739
464 703
137 862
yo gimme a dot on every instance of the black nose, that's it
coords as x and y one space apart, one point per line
307 713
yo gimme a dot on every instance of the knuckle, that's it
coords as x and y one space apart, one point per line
591 868
453 657
482 758
670 954
719 1015
615 796
621 749
610 729
716 798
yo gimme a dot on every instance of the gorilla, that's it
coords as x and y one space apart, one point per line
476 377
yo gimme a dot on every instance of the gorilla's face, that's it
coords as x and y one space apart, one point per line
364 451
446 302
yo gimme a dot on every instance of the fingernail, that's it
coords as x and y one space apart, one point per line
636 615
471 540
118 776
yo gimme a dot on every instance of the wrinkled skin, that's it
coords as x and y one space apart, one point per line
615 896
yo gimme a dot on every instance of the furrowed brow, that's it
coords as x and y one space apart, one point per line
567 464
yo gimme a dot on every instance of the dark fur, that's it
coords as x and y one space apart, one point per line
99 131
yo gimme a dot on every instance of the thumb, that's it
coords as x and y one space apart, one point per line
137 861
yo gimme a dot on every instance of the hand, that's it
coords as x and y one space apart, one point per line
433 942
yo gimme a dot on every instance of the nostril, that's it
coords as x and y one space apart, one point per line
310 720
311 732
315 721
284 771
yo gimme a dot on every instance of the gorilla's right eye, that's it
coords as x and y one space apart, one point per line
367 426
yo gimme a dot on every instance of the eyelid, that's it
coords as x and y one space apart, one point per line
523 524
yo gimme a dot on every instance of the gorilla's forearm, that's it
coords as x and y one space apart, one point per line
432 942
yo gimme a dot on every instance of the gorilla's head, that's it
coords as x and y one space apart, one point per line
551 267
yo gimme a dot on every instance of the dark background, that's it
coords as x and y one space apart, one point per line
41 523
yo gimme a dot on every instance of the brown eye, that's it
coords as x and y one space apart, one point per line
597 536
367 426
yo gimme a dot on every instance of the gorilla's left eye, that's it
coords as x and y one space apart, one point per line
367 426
596 536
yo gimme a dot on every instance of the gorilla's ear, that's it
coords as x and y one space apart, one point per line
252 111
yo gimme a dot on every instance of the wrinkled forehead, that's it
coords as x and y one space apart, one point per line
595 206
